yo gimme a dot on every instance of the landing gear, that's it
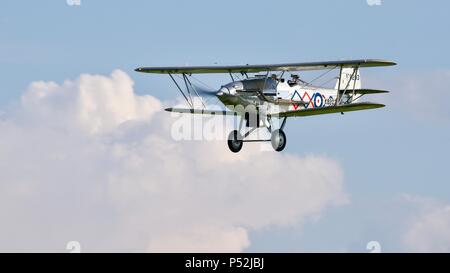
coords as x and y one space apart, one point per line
278 137
235 141
278 140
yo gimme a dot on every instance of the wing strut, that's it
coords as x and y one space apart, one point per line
181 91
187 93
231 75
353 76
338 97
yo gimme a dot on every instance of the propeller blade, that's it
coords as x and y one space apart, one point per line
205 92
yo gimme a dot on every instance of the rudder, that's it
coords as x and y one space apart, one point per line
349 80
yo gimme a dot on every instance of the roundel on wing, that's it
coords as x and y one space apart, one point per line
318 100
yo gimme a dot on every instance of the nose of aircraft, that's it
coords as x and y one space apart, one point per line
223 91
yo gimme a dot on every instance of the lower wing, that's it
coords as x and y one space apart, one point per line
330 109
201 111
293 113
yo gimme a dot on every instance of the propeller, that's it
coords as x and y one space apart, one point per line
205 92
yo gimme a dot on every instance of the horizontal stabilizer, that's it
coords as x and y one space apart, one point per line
364 91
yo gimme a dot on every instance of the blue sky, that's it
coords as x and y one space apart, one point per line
51 40
385 154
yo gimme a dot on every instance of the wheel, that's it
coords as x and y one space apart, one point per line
235 141
278 140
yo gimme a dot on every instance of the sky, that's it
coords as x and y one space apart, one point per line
87 153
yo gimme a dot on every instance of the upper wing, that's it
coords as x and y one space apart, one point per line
264 67
330 109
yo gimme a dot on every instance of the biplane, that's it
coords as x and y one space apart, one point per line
261 96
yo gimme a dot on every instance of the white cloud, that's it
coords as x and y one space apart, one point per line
96 103
89 160
425 96
428 230
374 2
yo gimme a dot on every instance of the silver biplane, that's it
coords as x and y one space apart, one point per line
261 99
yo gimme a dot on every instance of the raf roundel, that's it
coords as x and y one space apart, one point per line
318 100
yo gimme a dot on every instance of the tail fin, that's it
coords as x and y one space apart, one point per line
348 80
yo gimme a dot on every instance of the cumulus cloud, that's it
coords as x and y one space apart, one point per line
95 103
428 230
88 160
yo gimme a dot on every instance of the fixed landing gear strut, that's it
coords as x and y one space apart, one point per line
278 137
235 141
